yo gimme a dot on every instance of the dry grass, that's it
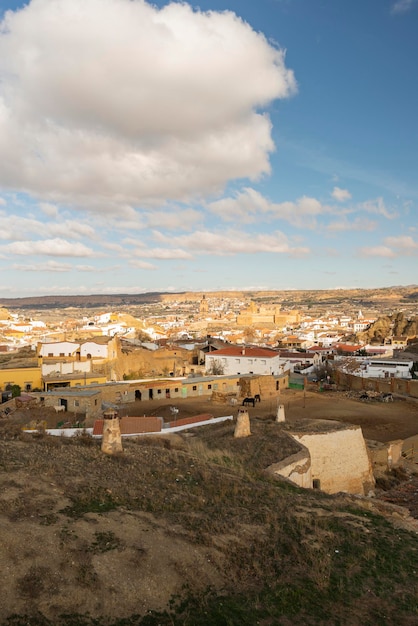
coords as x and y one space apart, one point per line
271 548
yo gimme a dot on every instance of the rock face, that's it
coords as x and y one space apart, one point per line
389 325
242 428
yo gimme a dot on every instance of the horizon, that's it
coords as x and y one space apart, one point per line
232 147
204 292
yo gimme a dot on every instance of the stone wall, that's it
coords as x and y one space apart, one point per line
381 385
339 459
265 386
296 468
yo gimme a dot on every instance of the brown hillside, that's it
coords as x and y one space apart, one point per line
90 539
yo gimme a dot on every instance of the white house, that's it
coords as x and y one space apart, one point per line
237 360
58 349
101 347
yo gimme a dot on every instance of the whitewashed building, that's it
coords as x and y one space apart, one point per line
237 360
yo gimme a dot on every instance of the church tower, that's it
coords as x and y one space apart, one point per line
203 307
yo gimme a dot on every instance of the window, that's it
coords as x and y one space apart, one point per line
50 354
76 403
159 391
209 386
194 387
176 389
237 361
62 354
316 483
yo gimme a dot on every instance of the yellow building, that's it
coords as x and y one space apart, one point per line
256 315
72 380
27 378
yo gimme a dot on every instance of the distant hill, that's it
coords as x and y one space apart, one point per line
89 301
296 298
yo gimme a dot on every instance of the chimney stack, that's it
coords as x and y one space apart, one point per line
242 429
112 438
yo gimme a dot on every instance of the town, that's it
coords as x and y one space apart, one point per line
225 346
193 392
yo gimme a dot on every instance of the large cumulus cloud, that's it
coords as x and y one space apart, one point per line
106 102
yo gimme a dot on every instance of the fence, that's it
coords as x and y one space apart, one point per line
296 385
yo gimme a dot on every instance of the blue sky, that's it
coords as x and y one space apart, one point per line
237 145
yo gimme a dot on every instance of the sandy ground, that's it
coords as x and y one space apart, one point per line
379 421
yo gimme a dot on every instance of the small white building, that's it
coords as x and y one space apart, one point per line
236 360
387 368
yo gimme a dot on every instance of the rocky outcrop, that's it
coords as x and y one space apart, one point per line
395 325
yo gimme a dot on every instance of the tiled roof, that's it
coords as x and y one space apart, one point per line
347 347
133 425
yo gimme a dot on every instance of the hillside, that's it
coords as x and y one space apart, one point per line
388 296
190 530
396 325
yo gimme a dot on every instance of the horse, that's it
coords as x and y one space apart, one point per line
248 401
386 397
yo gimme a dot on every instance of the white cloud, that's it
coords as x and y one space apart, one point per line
404 244
48 247
49 266
233 242
2 202
163 253
383 251
344 224
341 195
49 209
377 207
17 228
402 6
85 116
142 265
249 205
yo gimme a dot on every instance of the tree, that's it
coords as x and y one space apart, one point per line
216 368
16 391
324 371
